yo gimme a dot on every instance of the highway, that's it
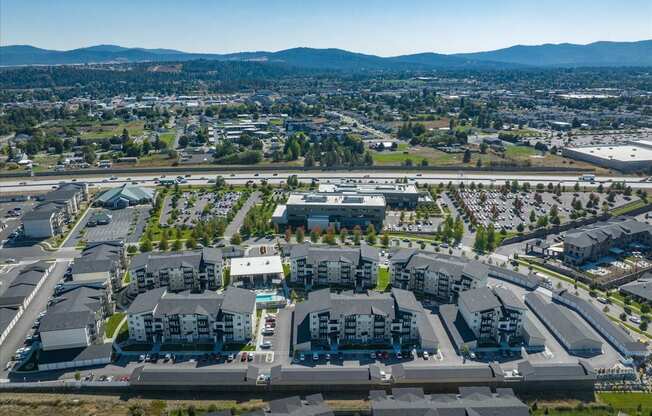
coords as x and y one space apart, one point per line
40 184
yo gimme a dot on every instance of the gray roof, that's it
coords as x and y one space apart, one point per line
155 262
468 373
456 266
556 371
603 231
406 300
316 254
314 405
456 327
131 193
92 352
574 332
338 375
74 309
479 401
603 324
160 302
186 376
6 316
508 298
641 288
478 300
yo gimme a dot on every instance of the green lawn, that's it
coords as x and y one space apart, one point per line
105 131
383 279
416 154
627 402
519 152
112 323
167 138
624 209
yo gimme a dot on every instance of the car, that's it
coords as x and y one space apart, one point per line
426 355
372 355
250 356
243 357
10 261
230 357
399 355
113 178
266 344
635 319
328 357
315 357
167 357
302 357
141 358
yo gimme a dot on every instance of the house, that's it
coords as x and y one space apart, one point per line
124 196
356 267
442 277
75 319
166 317
196 270
329 320
250 272
476 401
102 261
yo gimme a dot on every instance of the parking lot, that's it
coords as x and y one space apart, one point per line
407 221
127 224
191 207
509 210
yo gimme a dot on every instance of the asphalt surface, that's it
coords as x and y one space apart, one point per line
23 327
238 219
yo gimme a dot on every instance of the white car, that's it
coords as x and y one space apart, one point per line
635 319
266 344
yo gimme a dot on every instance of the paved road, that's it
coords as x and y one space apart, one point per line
235 225
39 302
41 184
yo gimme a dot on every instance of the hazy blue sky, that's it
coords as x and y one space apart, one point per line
379 27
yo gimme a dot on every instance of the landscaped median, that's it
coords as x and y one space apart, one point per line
112 324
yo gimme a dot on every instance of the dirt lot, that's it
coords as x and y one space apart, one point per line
32 404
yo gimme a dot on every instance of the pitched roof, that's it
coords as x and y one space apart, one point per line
478 300
76 308
641 288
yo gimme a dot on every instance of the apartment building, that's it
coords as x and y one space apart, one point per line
594 241
325 210
166 317
195 270
494 315
330 320
256 272
54 210
355 267
103 262
75 319
443 277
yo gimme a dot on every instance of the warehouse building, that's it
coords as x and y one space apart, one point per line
633 157
355 267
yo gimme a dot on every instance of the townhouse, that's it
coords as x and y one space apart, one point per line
166 317
355 267
54 210
329 320
442 277
196 270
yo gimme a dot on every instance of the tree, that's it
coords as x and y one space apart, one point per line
384 240
236 239
163 243
467 156
343 233
357 235
533 216
491 237
315 234
480 239
288 234
191 243
371 234
132 249
330 236
176 245
300 235
458 231
146 246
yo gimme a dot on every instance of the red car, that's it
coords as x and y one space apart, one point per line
243 357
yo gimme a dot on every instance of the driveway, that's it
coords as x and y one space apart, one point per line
238 219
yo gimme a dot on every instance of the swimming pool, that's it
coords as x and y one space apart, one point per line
262 297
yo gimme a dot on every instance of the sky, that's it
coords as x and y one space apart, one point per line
385 28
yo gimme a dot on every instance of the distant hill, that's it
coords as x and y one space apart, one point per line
568 54
595 54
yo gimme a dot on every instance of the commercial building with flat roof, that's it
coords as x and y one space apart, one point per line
632 157
397 195
325 210
250 272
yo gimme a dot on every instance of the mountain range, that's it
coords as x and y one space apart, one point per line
548 55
